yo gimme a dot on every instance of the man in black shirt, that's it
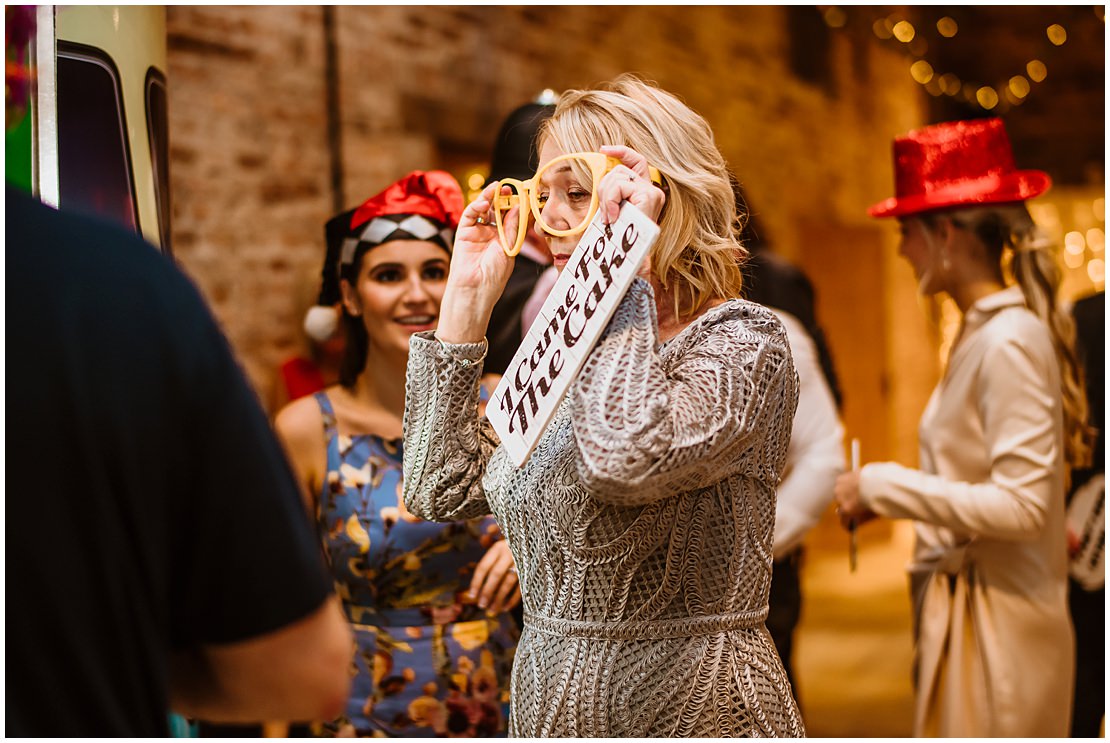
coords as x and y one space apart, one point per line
158 554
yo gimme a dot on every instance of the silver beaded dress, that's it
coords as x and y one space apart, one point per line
641 525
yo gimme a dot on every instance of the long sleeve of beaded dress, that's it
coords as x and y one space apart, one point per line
642 524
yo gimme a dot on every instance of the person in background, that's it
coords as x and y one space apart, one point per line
771 280
428 602
515 156
175 569
642 522
816 454
995 647
1087 599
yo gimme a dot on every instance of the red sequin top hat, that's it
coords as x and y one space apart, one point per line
433 194
957 163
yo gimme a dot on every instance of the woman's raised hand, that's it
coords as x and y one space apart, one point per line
479 271
478 259
628 181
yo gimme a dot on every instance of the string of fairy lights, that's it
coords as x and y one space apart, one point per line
996 97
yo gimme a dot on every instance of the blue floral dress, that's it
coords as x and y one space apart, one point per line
428 661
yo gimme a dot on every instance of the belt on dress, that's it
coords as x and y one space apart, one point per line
653 629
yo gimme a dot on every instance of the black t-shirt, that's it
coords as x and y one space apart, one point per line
149 505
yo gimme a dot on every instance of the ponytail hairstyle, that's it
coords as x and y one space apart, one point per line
1034 268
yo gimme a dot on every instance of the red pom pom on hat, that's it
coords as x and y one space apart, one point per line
434 194
957 163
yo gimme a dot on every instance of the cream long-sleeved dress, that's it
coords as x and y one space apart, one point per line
995 648
641 525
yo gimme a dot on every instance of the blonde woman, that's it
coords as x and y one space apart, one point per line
995 644
642 524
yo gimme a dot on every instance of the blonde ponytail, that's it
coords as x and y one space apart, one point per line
1035 270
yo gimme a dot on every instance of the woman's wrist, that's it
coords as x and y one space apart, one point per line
463 317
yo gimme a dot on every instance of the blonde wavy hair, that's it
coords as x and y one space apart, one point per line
1032 263
698 255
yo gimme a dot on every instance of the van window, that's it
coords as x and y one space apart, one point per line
94 165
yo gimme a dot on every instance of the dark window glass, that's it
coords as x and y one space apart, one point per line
94 167
157 128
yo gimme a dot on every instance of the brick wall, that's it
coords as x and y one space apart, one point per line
422 87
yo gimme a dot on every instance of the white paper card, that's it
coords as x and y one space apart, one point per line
580 305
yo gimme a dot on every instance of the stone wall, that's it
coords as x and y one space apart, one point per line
422 87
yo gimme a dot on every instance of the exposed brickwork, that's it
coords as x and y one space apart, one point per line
424 87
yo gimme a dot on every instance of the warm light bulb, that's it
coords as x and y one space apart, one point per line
903 31
475 180
882 28
1096 239
1056 34
950 83
835 17
1019 86
1074 243
947 27
1096 270
922 71
987 97
1037 71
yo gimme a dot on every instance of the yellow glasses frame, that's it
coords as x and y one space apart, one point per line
599 164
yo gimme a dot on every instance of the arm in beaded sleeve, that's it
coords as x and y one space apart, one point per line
723 406
447 443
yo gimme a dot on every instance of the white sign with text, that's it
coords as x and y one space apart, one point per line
580 305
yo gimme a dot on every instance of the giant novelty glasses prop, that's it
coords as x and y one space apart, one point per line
570 181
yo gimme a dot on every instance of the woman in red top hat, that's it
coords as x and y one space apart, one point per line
428 601
994 641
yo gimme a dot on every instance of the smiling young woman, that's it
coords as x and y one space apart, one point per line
428 602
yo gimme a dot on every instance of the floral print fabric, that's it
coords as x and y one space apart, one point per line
428 661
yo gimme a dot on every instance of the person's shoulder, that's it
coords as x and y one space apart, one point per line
1018 323
747 322
72 235
299 419
94 260
1016 332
